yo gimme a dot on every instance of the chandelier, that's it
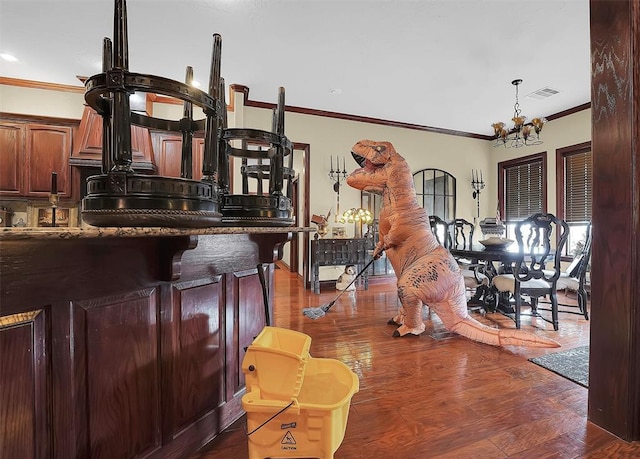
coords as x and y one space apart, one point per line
521 133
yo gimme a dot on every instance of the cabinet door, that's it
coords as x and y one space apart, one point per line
11 158
24 396
198 158
48 150
89 141
167 149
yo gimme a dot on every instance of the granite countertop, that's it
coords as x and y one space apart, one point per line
14 234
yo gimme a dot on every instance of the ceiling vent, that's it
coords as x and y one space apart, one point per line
543 93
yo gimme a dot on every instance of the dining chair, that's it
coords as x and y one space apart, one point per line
575 277
440 229
536 272
461 237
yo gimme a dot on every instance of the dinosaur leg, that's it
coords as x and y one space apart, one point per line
398 319
412 320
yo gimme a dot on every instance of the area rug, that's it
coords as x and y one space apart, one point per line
572 364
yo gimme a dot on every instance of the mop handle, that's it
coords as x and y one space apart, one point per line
355 279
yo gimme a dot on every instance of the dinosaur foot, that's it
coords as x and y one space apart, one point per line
403 331
396 320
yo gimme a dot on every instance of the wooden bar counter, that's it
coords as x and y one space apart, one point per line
127 342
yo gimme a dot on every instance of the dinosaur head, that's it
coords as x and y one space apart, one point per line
374 159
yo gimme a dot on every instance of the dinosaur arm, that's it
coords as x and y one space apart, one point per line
377 251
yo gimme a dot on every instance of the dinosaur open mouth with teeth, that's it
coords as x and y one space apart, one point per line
361 160
365 163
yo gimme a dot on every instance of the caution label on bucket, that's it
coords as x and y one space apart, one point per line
288 442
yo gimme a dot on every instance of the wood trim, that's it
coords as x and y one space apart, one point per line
569 111
517 161
232 90
364 119
561 153
344 116
41 85
306 217
614 363
160 99
39 119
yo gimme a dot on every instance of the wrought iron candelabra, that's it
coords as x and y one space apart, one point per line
337 177
477 183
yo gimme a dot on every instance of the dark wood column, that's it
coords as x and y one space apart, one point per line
614 384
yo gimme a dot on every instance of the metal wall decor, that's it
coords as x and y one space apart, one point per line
477 183
121 197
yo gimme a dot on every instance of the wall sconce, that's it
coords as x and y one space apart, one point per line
477 183
358 217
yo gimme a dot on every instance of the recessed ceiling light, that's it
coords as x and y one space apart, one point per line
335 91
196 84
9 57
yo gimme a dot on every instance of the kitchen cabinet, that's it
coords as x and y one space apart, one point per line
87 151
29 153
167 149
131 345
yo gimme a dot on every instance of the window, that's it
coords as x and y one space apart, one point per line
574 184
436 192
522 188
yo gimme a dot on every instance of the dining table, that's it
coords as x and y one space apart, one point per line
488 261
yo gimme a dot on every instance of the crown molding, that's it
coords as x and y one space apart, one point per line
290 108
41 85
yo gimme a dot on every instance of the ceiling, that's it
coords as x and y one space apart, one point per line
446 64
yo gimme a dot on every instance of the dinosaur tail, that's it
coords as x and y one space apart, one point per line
477 331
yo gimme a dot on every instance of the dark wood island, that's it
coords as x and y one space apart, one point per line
127 342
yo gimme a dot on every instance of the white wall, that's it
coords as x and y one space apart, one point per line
43 102
330 137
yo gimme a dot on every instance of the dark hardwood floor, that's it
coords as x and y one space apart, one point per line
439 395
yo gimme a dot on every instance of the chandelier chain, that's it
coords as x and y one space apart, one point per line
516 106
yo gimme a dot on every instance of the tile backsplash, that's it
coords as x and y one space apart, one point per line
27 213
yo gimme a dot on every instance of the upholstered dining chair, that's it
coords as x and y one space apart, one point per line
575 277
538 269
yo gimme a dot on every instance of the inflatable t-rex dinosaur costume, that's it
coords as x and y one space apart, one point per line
427 273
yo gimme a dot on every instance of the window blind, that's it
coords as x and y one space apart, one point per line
578 187
523 190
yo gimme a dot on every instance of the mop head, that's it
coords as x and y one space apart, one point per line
316 313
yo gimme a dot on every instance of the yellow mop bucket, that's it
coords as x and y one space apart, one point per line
312 420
